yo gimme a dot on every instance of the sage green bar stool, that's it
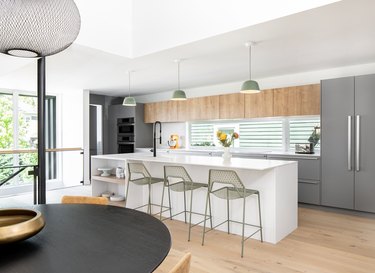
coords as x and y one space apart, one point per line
183 183
144 179
234 189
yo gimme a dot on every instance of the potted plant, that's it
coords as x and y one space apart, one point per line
226 140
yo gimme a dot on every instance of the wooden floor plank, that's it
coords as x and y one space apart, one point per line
325 242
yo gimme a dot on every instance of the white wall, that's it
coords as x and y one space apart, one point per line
173 128
163 24
106 25
71 135
267 83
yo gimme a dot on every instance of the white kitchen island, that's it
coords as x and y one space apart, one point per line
276 181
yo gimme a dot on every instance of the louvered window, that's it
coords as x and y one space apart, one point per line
201 135
300 130
261 134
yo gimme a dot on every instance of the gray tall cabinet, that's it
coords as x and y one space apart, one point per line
347 143
142 131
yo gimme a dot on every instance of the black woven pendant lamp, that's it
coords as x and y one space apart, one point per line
36 29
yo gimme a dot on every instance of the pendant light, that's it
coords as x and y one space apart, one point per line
129 101
250 86
178 94
32 29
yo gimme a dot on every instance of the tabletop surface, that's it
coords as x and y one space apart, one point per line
89 238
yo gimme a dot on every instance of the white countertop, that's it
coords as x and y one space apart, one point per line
234 151
217 162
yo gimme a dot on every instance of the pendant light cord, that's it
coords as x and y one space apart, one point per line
129 82
178 75
249 62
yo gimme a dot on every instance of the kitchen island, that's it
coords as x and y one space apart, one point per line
276 181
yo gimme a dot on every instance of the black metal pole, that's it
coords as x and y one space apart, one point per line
41 132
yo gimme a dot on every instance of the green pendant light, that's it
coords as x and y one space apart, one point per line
178 94
250 86
129 101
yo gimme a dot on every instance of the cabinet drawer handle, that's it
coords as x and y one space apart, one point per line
349 143
308 181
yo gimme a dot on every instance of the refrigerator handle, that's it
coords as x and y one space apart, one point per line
349 143
357 142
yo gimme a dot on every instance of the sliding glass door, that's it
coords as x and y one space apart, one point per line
18 133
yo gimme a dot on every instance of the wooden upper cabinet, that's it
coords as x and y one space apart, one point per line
165 111
149 112
203 108
182 111
232 106
288 101
297 100
259 105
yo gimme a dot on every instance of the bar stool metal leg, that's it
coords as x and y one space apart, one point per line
228 209
243 226
260 219
209 205
170 206
149 199
205 217
185 202
127 193
191 209
162 201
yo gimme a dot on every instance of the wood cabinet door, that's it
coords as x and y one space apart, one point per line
232 106
297 100
203 108
259 105
149 112
166 111
182 111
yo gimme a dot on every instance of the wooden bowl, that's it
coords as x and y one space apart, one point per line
19 224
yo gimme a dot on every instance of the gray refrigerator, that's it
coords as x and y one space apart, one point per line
347 142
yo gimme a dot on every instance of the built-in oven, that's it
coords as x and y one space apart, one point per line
125 148
125 135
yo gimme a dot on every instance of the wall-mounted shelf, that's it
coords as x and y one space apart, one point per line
109 179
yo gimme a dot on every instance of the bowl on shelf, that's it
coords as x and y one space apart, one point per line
117 198
19 224
107 194
106 171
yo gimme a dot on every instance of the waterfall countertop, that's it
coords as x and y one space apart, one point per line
276 181
210 161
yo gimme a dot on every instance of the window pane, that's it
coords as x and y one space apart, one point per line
27 133
201 134
261 134
6 133
301 130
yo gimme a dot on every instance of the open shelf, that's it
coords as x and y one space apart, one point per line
109 179
117 203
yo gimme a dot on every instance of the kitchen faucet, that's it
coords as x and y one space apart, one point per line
154 148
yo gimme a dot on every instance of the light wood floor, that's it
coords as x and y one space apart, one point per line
324 242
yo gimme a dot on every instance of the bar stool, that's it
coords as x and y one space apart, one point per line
145 179
184 183
234 190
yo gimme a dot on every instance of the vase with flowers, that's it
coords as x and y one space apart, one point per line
226 140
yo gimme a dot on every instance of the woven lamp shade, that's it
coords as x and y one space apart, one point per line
37 28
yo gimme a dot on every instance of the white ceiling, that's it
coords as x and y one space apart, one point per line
339 34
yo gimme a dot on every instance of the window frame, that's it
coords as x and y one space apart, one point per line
235 123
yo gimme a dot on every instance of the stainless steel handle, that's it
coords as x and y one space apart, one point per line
349 143
357 142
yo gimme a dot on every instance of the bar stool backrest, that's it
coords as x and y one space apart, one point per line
138 168
228 177
177 172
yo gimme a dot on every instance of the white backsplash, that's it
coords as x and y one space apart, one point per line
175 128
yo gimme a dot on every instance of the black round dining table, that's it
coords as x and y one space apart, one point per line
89 238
